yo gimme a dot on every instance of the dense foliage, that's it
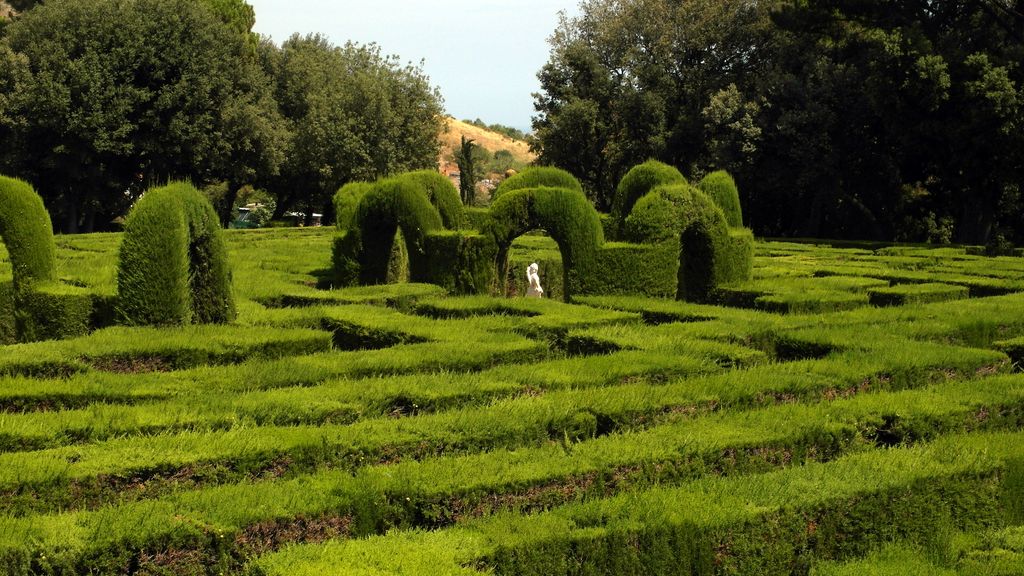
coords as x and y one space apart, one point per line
838 118
100 100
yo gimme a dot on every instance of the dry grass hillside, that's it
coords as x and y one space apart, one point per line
490 141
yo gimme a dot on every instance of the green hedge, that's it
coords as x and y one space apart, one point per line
362 253
538 176
566 215
639 181
173 266
461 261
477 218
346 202
642 269
902 294
27 232
710 252
442 194
722 189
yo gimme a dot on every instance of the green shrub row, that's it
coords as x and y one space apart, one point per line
127 349
776 523
436 492
902 294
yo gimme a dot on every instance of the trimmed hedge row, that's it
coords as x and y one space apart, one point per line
173 266
566 215
775 523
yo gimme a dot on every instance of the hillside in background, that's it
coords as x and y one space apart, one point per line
488 140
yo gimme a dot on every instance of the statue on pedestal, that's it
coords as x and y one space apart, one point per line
534 290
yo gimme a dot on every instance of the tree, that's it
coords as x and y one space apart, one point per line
103 99
354 115
466 158
628 80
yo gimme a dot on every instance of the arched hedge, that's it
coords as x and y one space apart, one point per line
442 194
722 189
537 176
173 266
710 253
640 180
346 202
361 253
27 232
566 215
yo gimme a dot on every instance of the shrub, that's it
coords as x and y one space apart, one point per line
566 215
442 194
346 202
722 189
537 176
640 180
173 266
363 252
460 261
709 252
27 232
647 269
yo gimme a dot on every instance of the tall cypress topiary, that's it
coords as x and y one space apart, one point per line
722 189
173 266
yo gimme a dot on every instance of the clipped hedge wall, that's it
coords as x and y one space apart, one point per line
645 269
477 218
566 215
442 194
173 266
538 176
710 253
461 261
722 189
27 232
639 181
346 202
361 254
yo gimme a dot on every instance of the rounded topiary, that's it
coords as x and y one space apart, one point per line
538 176
346 201
566 215
390 205
640 180
707 250
442 194
173 264
27 232
722 189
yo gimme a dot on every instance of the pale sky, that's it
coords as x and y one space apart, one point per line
483 54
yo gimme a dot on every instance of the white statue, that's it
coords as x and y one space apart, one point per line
534 291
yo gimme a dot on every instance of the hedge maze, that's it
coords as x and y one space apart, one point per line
845 409
398 429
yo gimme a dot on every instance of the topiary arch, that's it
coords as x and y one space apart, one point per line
566 215
442 195
538 176
173 266
710 253
26 230
361 253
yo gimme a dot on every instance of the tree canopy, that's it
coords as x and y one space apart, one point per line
850 118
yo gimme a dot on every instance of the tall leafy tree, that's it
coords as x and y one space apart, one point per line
104 98
354 114
628 80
